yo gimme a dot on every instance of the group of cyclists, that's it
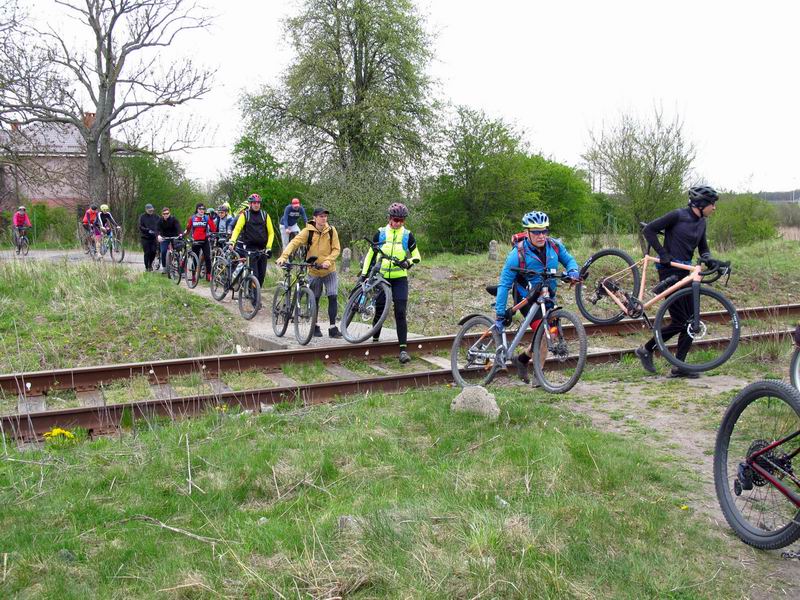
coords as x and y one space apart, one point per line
533 251
97 222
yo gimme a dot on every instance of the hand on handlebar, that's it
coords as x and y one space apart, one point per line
280 261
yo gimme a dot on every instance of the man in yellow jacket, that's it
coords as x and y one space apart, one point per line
322 241
253 231
398 242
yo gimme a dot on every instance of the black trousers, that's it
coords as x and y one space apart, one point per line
400 303
681 314
150 248
205 247
258 264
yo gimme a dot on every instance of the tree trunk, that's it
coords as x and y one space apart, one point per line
97 173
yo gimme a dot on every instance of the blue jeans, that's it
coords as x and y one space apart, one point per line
164 248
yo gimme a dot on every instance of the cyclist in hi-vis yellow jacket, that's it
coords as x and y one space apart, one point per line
398 242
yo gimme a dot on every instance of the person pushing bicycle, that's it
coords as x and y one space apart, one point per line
536 252
684 232
322 241
253 231
399 243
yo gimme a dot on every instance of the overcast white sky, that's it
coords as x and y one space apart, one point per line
560 68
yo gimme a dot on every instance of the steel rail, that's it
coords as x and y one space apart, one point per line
37 383
98 420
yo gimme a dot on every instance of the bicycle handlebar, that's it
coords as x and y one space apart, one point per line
377 248
544 274
717 270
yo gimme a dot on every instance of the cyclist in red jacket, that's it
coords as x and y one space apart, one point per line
198 227
21 219
92 225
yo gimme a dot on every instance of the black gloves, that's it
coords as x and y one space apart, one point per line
269 253
665 259
362 278
405 264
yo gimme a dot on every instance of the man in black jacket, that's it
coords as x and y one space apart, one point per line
168 227
148 230
684 232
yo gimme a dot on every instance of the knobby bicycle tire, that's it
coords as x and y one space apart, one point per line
249 292
478 334
666 352
583 294
219 279
192 270
794 368
280 309
752 526
365 308
305 315
542 373
174 267
117 251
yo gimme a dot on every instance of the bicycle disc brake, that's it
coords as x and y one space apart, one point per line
700 333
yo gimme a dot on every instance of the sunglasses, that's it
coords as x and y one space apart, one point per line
166 212
398 220
539 231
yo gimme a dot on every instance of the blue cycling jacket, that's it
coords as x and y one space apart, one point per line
553 258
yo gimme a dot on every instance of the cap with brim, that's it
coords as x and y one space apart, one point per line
321 211
148 206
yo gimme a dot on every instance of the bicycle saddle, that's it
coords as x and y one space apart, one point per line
492 289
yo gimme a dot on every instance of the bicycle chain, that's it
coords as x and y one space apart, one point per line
790 555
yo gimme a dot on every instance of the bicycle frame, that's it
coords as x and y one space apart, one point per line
751 461
693 278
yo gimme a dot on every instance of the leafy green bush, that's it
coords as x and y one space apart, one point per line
741 220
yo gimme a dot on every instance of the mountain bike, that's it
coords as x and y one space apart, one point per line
222 273
243 280
757 448
612 288
112 243
23 245
360 318
559 352
794 368
176 258
293 300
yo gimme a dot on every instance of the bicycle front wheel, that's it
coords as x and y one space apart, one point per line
363 315
281 309
192 270
608 271
249 297
714 341
117 250
474 352
219 279
305 315
174 266
23 247
752 484
558 361
794 370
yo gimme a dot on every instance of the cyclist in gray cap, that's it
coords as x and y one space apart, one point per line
148 228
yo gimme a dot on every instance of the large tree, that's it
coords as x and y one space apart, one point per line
357 90
645 162
112 84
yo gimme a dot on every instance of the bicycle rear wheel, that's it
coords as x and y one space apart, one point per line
474 352
117 250
617 271
751 484
192 270
794 369
249 297
358 319
305 315
219 278
714 342
281 309
558 362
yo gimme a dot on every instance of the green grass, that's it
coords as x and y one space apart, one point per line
307 372
128 390
389 497
252 379
58 315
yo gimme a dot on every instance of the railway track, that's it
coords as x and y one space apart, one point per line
97 417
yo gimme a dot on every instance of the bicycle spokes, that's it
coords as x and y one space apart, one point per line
475 350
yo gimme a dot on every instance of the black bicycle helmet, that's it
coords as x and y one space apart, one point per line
398 210
703 195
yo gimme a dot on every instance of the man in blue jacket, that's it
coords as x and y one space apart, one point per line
536 252
288 222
